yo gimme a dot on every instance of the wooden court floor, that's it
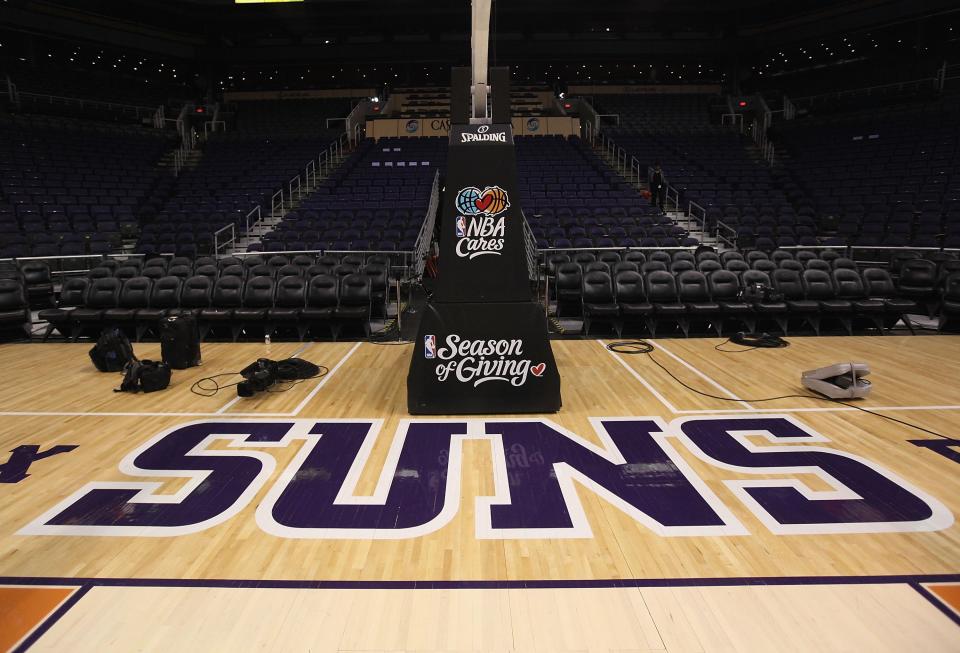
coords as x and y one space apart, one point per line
641 517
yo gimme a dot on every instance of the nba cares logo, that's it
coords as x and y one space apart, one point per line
490 201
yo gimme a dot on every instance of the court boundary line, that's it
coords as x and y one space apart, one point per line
670 407
732 581
937 602
80 590
702 375
636 375
739 411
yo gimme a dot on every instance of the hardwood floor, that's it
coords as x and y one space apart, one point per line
605 524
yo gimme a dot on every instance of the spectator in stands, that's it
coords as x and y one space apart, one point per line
658 187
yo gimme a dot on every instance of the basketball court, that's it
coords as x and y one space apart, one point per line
641 517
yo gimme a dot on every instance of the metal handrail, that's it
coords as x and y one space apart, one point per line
291 188
212 125
721 226
734 119
273 204
425 237
216 237
53 99
868 90
255 209
699 219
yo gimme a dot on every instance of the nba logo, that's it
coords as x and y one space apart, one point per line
429 346
461 226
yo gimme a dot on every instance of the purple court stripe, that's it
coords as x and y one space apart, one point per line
53 618
483 584
937 602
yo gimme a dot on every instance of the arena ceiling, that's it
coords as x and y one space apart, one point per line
437 30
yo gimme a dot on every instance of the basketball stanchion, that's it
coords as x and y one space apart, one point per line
483 343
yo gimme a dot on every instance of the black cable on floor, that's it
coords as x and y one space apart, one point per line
643 347
753 341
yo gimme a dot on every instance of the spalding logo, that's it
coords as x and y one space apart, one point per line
483 135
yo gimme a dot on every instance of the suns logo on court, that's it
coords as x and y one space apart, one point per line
636 468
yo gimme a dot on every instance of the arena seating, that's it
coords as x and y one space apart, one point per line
230 297
434 102
98 87
300 116
714 166
237 172
376 200
69 187
660 113
888 177
571 198
659 291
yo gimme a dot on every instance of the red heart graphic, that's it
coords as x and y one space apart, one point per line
537 370
483 203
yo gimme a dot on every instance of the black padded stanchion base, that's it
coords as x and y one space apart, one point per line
483 358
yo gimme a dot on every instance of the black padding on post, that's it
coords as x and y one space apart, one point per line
500 89
459 95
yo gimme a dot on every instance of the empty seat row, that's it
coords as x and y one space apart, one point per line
660 298
229 304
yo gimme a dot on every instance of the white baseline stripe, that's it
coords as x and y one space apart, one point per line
701 374
717 411
633 372
55 413
323 381
839 409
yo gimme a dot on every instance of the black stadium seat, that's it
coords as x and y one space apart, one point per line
596 266
737 266
227 296
164 297
631 297
879 285
625 266
918 281
724 289
257 299
768 309
134 295
818 264
196 295
60 319
38 283
950 303
818 286
378 288
14 308
662 293
354 302
849 285
694 292
568 282
125 272
599 302
709 266
101 294
321 302
289 302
